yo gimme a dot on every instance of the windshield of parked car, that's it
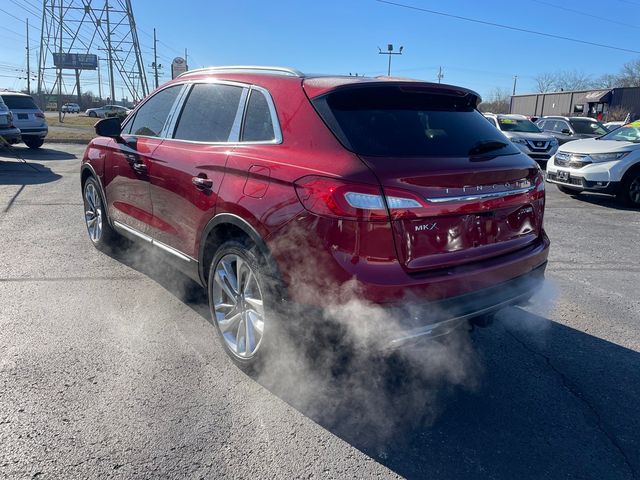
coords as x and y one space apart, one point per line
399 121
628 133
588 127
19 102
517 125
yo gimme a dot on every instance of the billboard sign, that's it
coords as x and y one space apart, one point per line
76 61
178 66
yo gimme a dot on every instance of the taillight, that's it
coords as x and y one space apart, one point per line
39 114
337 198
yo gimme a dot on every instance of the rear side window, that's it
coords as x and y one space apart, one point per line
151 116
402 121
209 113
258 125
18 102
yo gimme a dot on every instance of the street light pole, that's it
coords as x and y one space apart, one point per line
515 82
389 52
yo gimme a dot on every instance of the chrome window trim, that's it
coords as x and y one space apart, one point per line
234 134
240 115
134 114
237 120
480 196
277 131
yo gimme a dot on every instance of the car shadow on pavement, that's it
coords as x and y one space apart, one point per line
542 400
16 172
602 200
45 153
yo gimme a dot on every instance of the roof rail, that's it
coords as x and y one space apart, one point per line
247 69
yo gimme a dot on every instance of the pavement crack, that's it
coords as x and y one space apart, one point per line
573 390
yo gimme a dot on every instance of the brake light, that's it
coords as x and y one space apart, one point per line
39 114
336 198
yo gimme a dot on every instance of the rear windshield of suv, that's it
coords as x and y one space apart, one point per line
588 127
409 121
18 102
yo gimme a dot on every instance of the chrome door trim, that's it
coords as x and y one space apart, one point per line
173 251
132 231
480 196
152 241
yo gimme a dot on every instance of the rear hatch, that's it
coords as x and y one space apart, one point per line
26 113
456 189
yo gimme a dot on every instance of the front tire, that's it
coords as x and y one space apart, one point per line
101 234
243 302
629 192
93 114
33 142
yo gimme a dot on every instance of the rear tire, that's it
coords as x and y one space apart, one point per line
101 234
569 191
244 302
629 193
33 142
93 114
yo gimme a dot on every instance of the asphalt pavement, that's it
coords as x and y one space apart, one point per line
109 367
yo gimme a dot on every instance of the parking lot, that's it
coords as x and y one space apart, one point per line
109 367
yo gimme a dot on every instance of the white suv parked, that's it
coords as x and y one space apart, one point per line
607 164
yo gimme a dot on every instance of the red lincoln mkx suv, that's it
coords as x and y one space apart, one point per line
269 187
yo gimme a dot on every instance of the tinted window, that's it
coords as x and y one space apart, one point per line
401 121
209 113
541 124
257 124
18 102
150 119
559 126
517 125
589 127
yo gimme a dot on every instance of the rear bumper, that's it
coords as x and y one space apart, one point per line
40 132
433 319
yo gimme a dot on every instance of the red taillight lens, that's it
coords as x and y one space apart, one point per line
361 201
39 114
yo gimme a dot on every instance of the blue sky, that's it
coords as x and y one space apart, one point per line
343 36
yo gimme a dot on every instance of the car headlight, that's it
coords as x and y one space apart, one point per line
607 157
518 140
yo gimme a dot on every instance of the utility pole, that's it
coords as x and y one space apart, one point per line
186 63
99 80
515 82
60 61
155 58
112 86
440 75
389 52
28 64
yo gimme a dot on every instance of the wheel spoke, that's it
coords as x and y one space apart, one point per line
230 323
223 280
256 303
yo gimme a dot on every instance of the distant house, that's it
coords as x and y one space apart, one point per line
584 103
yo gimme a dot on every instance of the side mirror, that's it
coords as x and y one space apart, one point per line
109 127
566 131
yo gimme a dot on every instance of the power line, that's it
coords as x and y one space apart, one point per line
584 14
508 27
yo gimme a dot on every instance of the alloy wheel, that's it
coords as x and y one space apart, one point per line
93 212
238 305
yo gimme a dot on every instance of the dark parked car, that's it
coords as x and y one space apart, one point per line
566 129
272 188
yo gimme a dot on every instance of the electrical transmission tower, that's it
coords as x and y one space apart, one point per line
75 33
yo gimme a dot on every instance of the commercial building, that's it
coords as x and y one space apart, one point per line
586 103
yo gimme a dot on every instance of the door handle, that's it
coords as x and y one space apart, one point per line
202 182
139 167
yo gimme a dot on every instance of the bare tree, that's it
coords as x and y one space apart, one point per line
498 101
630 74
545 82
608 80
573 80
